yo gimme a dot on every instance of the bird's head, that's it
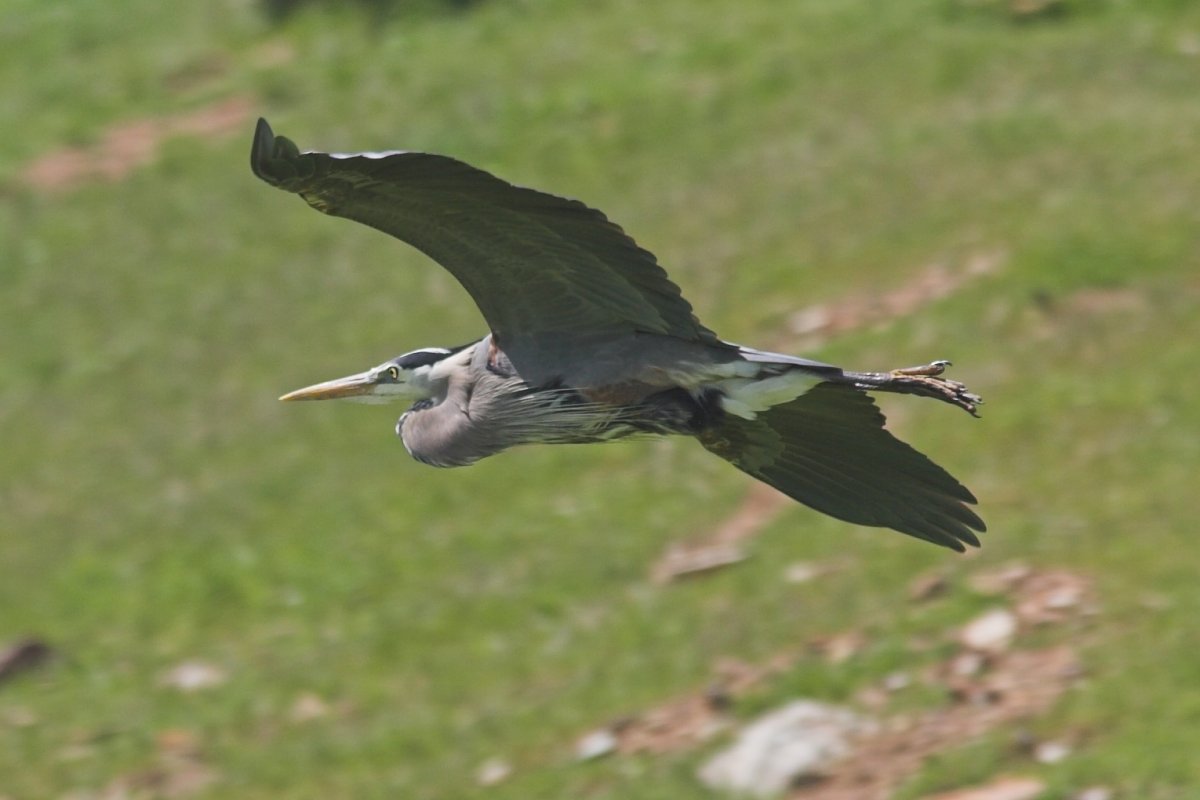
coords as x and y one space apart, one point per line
408 377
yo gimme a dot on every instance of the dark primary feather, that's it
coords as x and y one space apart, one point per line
541 268
829 450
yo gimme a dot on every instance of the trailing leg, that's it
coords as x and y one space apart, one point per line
924 381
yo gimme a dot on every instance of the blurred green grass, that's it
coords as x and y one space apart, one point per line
160 505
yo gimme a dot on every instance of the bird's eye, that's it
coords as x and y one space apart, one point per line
394 372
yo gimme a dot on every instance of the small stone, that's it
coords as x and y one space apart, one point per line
308 706
967 664
1066 597
493 771
1000 580
813 319
1094 793
1050 597
193 676
596 744
999 789
897 681
991 632
841 647
690 562
802 572
1051 752
177 741
785 747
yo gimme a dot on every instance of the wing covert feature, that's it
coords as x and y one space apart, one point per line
538 266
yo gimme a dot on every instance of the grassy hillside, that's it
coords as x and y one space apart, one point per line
161 507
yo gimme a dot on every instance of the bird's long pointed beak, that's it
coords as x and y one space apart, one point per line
351 386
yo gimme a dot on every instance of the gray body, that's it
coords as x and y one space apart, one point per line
590 341
480 406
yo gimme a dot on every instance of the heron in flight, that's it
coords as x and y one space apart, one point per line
590 341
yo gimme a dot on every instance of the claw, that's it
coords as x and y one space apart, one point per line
930 370
925 381
951 391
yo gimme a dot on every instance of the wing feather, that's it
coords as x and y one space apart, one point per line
829 449
538 266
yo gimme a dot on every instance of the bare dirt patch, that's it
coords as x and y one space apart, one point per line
1004 688
688 721
984 689
723 545
1016 686
179 770
126 146
818 323
1108 301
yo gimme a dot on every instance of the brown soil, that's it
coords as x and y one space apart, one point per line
126 146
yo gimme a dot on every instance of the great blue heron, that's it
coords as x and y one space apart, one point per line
590 341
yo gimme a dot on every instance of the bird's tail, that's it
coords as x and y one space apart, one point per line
923 381
829 450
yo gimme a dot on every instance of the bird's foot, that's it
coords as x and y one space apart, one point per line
930 370
925 381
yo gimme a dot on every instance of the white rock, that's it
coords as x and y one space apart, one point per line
308 706
801 572
810 320
1051 752
1094 793
782 747
991 632
1063 598
596 744
192 676
493 771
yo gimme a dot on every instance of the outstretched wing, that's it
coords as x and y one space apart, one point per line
829 450
545 271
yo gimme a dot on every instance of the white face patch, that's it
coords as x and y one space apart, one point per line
407 377
391 390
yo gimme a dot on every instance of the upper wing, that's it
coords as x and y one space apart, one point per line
829 450
542 269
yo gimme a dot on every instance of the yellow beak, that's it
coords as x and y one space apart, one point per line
351 386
